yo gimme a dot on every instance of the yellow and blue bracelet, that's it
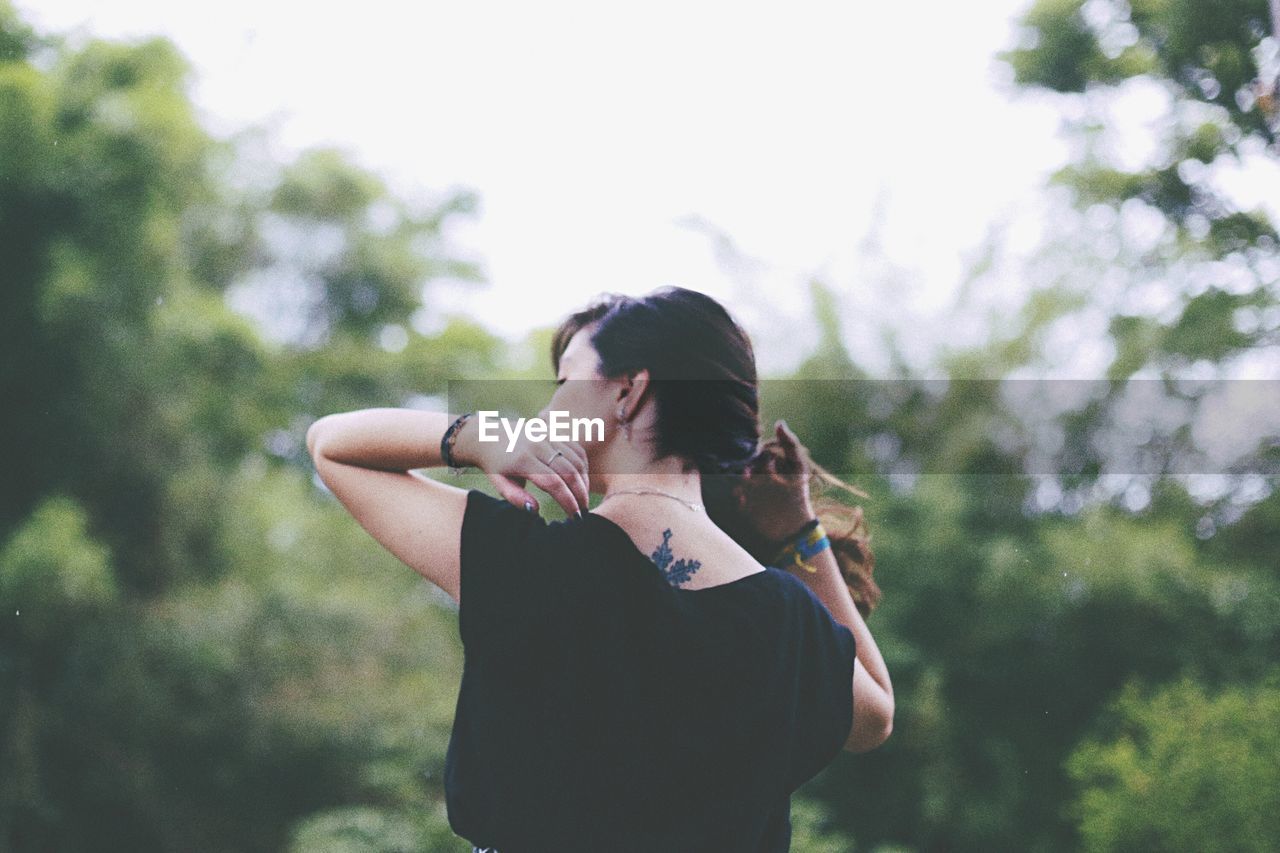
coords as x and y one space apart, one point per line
810 539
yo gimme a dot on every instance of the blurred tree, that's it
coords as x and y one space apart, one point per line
1178 236
114 200
1016 607
1170 258
1009 621
1183 768
187 659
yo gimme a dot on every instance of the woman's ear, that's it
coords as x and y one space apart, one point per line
632 390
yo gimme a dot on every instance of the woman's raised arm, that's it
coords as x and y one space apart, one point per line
779 501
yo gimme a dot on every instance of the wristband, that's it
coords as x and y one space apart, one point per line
810 539
447 442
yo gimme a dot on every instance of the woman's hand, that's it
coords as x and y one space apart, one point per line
774 490
559 468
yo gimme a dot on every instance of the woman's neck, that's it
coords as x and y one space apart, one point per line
663 475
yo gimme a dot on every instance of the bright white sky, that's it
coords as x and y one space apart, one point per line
594 132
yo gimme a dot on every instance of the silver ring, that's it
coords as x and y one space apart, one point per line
553 457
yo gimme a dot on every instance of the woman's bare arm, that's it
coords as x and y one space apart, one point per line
777 499
872 690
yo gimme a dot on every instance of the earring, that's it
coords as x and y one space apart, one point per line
626 425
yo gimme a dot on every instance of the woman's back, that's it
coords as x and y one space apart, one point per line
626 698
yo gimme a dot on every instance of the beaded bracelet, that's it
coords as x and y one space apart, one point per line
447 442
810 539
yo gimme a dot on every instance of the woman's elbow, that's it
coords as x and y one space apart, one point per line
881 733
887 730
888 720
871 733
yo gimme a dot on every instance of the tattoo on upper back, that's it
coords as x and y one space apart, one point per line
678 572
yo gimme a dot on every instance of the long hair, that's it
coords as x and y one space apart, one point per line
713 422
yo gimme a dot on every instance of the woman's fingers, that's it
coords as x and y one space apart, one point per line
578 456
773 466
786 439
558 468
552 482
551 468
795 455
787 460
763 467
565 462
512 491
576 449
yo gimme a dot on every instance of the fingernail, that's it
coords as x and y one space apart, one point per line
528 505
579 513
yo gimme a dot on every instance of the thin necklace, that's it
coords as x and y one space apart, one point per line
693 506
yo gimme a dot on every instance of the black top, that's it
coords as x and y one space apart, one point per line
602 708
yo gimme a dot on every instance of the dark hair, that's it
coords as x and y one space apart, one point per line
711 418
713 421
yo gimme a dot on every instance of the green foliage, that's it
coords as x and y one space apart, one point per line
1209 60
177 670
1206 328
323 186
1183 769
364 250
359 829
811 830
52 566
1183 40
1067 56
16 38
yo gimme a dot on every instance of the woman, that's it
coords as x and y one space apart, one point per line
634 678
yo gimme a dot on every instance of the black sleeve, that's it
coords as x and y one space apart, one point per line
505 590
827 652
